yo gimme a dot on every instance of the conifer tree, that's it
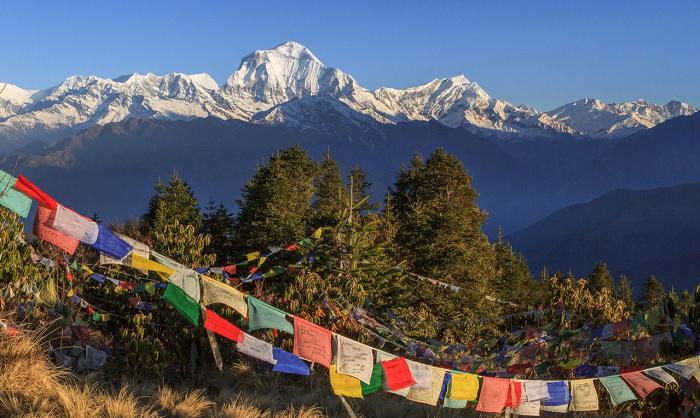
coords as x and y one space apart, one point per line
358 188
600 278
652 292
439 224
218 223
275 207
624 292
513 276
173 202
330 192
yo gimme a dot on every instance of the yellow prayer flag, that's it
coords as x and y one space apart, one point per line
345 385
70 293
252 256
138 262
317 233
465 387
86 269
262 260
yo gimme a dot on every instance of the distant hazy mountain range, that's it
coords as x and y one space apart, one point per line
283 85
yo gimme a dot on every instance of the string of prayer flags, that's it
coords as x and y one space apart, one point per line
431 394
494 394
397 375
559 397
219 325
618 389
375 382
640 383
43 230
583 396
111 244
75 225
535 390
217 292
345 385
354 359
15 201
138 248
30 189
256 348
312 342
659 374
184 278
183 303
464 387
289 363
261 315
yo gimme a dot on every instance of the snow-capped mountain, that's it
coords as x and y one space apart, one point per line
274 87
594 118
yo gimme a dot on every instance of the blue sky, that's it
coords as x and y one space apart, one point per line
541 53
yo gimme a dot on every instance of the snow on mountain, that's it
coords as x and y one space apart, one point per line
594 118
275 86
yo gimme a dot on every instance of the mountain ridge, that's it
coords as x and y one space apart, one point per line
269 78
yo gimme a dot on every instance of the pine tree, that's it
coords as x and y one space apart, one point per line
652 292
218 223
171 202
624 292
275 207
439 224
600 278
328 202
359 188
513 276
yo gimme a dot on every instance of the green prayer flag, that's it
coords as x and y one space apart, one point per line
11 198
96 316
75 266
150 288
375 382
618 389
262 315
182 303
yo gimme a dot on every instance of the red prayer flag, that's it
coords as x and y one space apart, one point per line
292 247
640 383
231 270
43 230
312 342
514 394
494 394
69 276
30 189
397 374
219 325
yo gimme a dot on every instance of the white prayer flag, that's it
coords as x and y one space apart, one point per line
659 374
535 390
184 278
75 226
422 374
528 409
259 349
354 359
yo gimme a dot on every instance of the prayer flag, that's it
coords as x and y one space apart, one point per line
183 303
431 394
514 394
28 188
640 383
494 394
583 395
253 256
43 230
659 374
421 374
354 359
217 292
685 369
142 263
12 199
375 383
259 349
345 385
449 402
558 394
289 363
215 350
312 342
261 315
397 375
75 225
618 390
109 243
528 409
219 325
138 248
535 390
464 386
184 278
